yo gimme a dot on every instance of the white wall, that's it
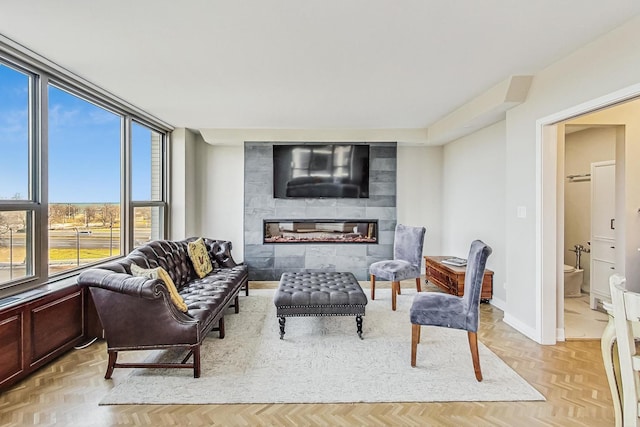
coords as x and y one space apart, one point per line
183 203
606 65
473 199
221 191
419 192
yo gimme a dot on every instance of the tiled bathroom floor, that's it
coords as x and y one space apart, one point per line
580 322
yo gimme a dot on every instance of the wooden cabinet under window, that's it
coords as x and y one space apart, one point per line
451 279
34 332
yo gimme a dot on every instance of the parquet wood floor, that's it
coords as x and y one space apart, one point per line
570 375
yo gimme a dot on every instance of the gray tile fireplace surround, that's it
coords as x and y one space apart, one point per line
268 261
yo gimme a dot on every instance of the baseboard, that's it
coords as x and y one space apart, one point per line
498 303
524 329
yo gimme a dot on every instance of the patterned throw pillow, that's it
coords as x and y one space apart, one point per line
161 273
200 257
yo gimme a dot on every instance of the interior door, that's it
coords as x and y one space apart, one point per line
603 189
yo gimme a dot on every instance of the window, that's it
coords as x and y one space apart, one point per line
16 202
147 147
84 181
82 176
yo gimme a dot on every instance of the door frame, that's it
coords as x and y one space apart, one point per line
547 206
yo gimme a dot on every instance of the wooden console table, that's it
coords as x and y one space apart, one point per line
451 279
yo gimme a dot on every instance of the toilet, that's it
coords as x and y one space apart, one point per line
572 281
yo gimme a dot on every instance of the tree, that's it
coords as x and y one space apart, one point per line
57 214
109 213
89 214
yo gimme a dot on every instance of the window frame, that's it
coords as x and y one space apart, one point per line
42 73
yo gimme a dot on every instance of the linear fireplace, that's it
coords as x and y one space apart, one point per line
320 231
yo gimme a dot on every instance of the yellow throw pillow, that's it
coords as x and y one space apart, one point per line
200 257
161 273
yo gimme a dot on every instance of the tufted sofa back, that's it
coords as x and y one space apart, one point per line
172 255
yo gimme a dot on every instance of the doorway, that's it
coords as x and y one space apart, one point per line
550 222
589 192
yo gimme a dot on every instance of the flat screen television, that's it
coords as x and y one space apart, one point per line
321 171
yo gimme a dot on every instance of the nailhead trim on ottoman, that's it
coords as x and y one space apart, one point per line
319 294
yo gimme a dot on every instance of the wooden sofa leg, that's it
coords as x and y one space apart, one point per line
196 361
113 356
418 284
373 287
236 304
221 327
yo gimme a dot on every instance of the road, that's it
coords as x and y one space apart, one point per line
69 238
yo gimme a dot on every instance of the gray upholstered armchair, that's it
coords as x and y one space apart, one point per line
452 311
407 258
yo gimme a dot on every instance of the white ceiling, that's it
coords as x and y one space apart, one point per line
320 64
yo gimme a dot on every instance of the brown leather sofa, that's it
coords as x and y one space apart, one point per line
138 314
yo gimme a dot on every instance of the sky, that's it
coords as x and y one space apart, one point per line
84 147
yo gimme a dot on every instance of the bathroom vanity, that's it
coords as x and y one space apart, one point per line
451 278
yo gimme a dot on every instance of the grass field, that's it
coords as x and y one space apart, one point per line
59 254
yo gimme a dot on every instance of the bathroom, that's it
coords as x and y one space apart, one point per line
584 145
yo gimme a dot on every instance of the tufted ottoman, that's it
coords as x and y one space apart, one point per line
319 294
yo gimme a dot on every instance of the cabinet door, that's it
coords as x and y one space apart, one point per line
600 273
603 189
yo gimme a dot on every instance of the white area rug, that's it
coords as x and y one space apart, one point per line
322 360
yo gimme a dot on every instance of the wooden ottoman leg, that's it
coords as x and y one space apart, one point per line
359 325
281 321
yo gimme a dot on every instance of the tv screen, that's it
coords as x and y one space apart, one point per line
321 171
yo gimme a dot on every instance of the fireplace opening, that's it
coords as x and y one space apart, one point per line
320 231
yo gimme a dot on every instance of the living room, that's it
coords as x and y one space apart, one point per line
477 169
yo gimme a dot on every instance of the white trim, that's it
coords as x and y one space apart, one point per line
523 328
560 335
498 303
546 207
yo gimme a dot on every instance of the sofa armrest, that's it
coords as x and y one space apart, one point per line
123 283
137 312
220 250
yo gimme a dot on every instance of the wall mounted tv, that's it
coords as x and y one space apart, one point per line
321 170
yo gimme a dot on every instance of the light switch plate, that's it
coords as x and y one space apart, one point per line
521 212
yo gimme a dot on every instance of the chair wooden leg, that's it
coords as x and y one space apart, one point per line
398 289
415 339
418 287
373 287
395 286
473 345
